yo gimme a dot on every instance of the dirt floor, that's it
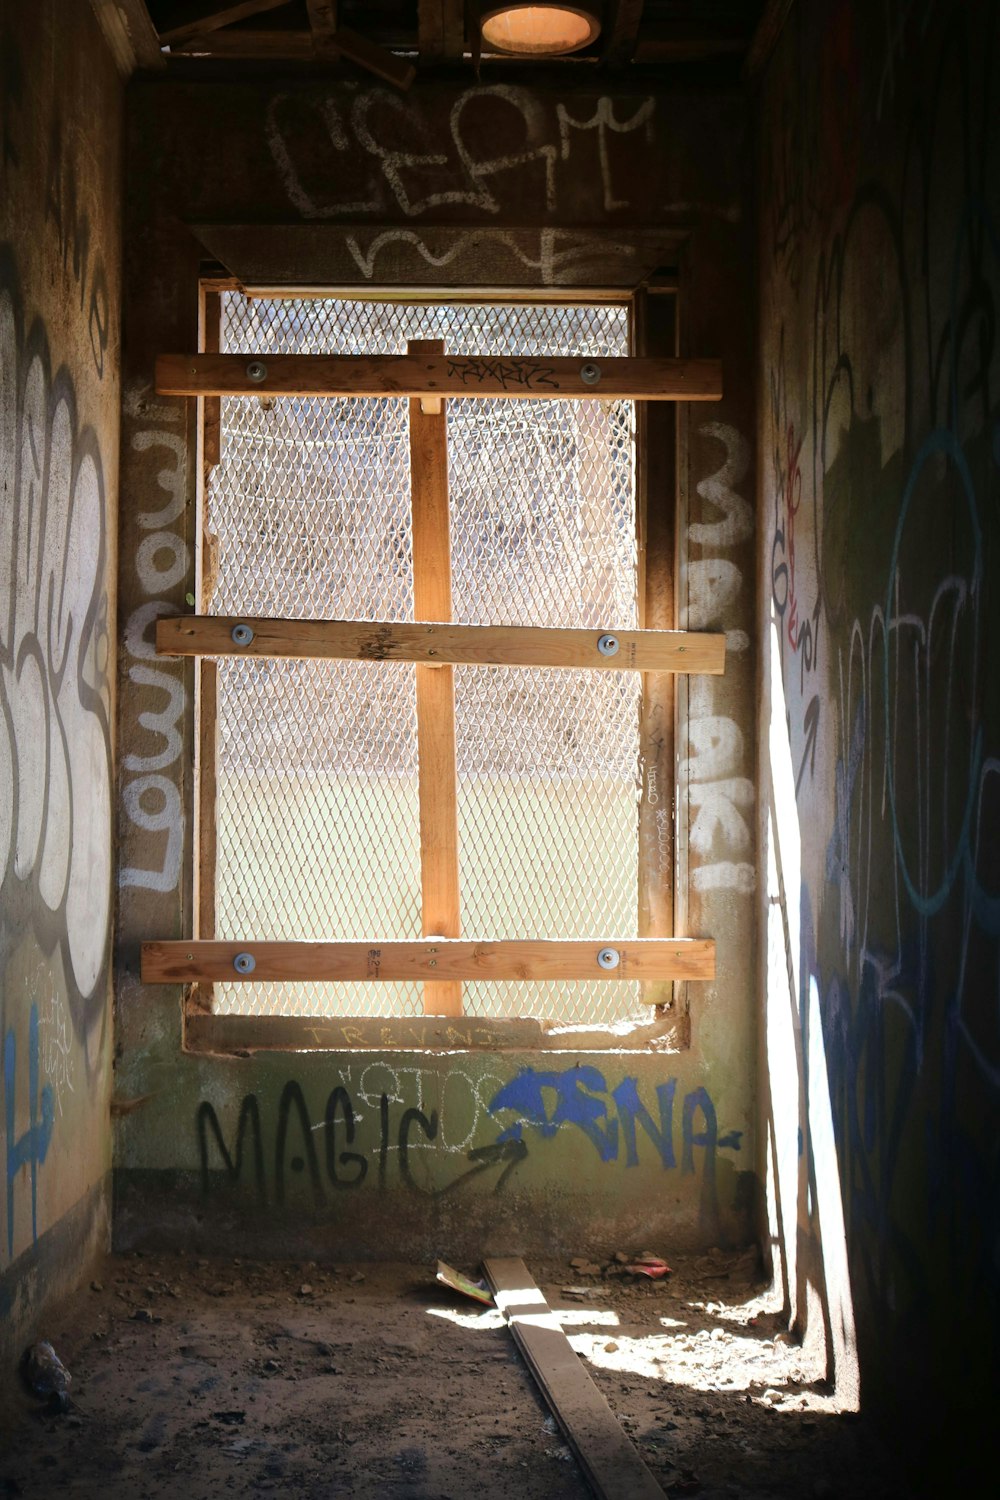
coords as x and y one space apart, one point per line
195 1377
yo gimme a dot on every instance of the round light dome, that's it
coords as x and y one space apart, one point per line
538 30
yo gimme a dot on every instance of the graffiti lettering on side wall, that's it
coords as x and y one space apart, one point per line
55 734
354 1134
26 1151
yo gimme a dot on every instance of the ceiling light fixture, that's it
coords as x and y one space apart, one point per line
526 30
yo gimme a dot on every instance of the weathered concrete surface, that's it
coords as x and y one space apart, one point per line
653 1147
880 624
60 147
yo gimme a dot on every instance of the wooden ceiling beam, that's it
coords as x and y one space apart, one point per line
686 41
430 30
322 21
228 15
130 34
623 32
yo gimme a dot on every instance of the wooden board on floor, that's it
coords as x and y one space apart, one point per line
442 643
609 1460
442 958
344 375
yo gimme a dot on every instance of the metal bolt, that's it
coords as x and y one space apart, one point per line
609 958
257 371
244 963
607 645
590 374
242 635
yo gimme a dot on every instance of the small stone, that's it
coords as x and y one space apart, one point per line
358 1276
611 1347
620 1257
305 1290
97 1286
718 1335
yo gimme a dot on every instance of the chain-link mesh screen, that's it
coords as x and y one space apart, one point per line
317 775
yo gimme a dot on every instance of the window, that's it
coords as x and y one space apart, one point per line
309 770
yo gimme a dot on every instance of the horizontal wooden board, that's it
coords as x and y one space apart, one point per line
438 958
608 1458
357 256
441 644
238 1035
437 375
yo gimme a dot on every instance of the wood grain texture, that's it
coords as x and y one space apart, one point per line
243 1034
437 375
443 958
130 34
609 1460
438 781
207 772
224 15
656 333
453 645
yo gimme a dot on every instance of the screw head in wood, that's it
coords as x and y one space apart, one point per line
242 635
257 371
607 645
244 963
590 374
609 958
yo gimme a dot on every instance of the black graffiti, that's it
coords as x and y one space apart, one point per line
507 373
242 1164
74 231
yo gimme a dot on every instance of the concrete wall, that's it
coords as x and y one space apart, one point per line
407 1153
879 145
60 193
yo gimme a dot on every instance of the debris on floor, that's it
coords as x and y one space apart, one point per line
477 1290
246 1388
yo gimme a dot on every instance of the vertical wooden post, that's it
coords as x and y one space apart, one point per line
208 717
656 332
435 685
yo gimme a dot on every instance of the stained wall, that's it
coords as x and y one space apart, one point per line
60 196
342 1153
879 453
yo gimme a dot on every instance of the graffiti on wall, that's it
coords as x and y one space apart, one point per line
720 793
55 737
385 1116
884 468
151 798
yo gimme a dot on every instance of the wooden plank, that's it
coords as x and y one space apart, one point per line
443 643
765 37
430 30
455 12
441 958
208 753
438 788
656 332
375 59
226 15
243 1034
480 258
623 32
293 46
130 34
436 375
609 1460
322 19
688 41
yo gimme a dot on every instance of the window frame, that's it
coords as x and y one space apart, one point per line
654 330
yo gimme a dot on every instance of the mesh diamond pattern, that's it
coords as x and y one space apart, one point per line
317 784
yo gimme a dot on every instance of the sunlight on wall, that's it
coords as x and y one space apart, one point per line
804 1202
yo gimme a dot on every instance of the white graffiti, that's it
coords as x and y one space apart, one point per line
603 120
151 802
427 173
561 253
455 1094
719 795
55 756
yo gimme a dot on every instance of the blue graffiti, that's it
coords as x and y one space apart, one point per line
33 1146
548 1099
